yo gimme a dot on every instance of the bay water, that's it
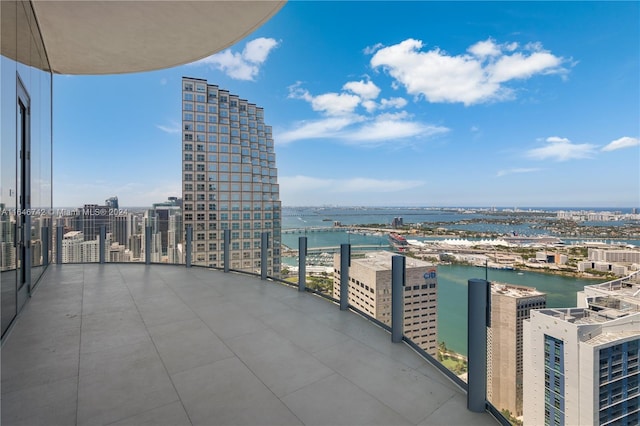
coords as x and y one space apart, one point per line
452 279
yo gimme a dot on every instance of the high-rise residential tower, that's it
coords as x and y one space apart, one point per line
229 178
582 364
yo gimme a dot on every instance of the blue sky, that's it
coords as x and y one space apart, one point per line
389 103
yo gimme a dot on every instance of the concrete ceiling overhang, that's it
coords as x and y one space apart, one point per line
113 37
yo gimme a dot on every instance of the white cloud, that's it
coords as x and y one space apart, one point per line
345 122
393 103
364 89
243 65
335 103
172 128
516 170
372 49
358 129
471 78
623 142
324 128
485 48
370 105
557 139
562 149
519 66
257 50
392 127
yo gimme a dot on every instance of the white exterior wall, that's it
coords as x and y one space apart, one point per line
533 376
71 247
589 379
581 363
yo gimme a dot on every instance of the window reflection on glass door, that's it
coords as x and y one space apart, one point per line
23 177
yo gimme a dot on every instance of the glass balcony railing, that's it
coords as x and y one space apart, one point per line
404 304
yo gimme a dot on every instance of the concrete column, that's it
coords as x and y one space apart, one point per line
264 248
227 249
44 237
345 262
302 263
479 302
188 240
398 275
147 245
101 244
59 238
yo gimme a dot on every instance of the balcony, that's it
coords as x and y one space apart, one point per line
165 344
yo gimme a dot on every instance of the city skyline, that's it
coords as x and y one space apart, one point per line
509 104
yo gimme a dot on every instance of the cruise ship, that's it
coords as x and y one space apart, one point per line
532 239
398 242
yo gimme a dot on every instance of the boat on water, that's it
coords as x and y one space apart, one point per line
398 242
532 239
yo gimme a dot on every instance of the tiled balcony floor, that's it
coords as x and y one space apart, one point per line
132 344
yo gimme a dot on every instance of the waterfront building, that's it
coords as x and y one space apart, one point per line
551 257
397 222
229 178
616 269
616 256
510 306
582 363
370 292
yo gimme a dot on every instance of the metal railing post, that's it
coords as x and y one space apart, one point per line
59 238
479 312
101 244
302 263
264 247
147 245
227 243
188 239
44 237
398 268
345 262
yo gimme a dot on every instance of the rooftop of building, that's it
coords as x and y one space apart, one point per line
381 261
166 344
626 289
515 291
604 338
585 316
72 234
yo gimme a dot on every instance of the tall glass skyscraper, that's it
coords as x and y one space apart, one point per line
229 178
